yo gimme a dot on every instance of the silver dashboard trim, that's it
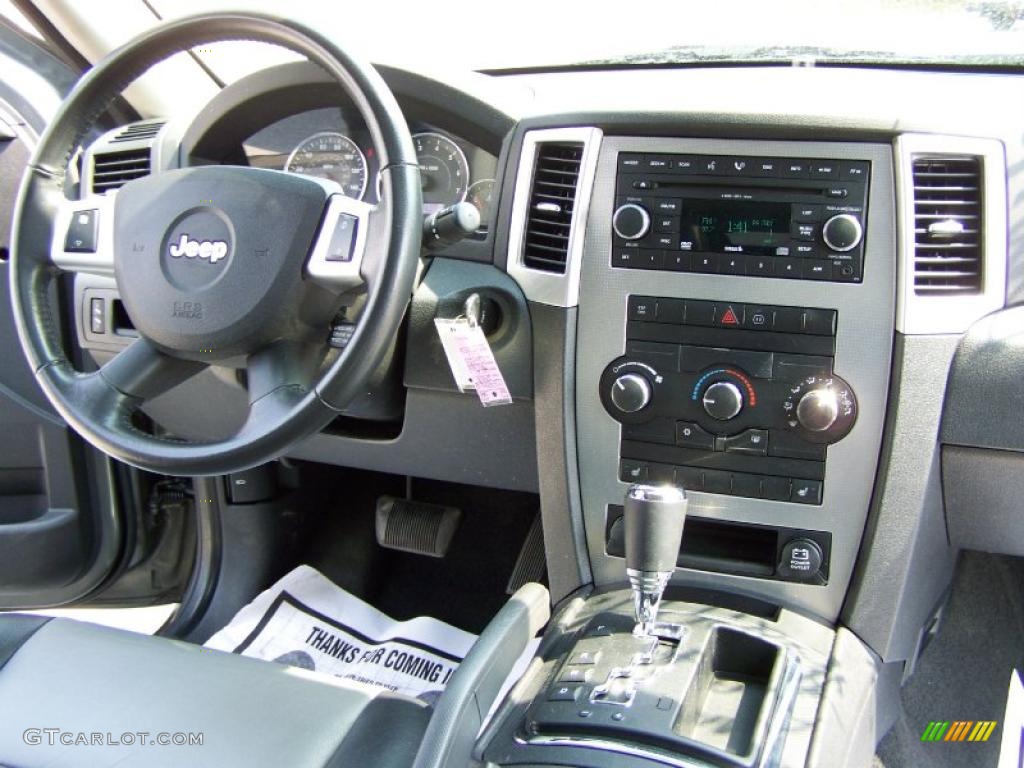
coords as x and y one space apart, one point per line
923 314
863 357
549 287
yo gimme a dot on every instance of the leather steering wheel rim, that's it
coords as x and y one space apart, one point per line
100 405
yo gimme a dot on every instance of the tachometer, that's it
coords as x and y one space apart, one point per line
331 155
444 170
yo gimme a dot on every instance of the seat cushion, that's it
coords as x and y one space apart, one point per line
101 689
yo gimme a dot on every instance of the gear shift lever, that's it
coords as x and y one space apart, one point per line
653 518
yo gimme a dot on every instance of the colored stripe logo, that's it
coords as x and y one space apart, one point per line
958 730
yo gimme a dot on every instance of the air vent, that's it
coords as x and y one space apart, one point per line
138 131
552 203
112 170
947 225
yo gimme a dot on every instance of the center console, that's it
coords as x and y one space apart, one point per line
736 305
736 311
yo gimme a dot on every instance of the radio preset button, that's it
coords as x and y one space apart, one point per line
759 265
705 263
677 261
733 265
631 221
649 258
786 268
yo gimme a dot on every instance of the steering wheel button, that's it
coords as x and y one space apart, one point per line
344 238
82 232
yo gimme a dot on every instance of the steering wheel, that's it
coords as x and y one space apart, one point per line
218 263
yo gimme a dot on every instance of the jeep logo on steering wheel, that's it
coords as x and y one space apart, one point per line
210 250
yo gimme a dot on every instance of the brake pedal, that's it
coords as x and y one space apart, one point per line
415 526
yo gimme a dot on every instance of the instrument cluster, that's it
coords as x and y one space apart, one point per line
330 144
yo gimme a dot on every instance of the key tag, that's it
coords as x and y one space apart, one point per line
471 360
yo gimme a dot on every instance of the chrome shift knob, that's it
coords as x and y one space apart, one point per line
653 518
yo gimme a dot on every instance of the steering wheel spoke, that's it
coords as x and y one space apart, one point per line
143 372
336 259
83 235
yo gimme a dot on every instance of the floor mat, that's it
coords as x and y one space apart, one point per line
306 621
964 674
465 588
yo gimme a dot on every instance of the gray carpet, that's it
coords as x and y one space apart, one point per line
965 672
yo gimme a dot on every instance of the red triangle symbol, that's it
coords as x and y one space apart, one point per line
729 318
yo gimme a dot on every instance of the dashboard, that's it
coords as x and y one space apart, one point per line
334 144
724 261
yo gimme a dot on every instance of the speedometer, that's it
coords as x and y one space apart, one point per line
334 156
444 170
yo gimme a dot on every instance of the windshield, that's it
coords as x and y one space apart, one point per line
545 33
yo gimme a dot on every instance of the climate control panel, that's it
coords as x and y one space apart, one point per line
728 398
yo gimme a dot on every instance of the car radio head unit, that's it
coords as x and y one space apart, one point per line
756 216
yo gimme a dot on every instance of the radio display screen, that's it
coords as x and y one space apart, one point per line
734 226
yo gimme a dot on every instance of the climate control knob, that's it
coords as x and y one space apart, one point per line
631 221
631 392
723 400
823 409
818 410
842 232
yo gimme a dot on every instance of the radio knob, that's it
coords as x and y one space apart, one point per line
842 232
723 400
818 410
631 221
631 392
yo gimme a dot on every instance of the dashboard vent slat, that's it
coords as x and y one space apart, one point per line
947 224
112 170
552 203
139 131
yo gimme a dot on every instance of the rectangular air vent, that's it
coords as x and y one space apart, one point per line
551 206
138 131
947 224
112 170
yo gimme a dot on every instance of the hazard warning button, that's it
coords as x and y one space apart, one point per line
730 315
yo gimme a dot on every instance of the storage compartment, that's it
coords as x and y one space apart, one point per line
745 549
731 698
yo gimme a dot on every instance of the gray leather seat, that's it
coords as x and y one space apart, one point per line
65 685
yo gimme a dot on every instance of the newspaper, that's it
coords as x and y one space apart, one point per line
307 621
